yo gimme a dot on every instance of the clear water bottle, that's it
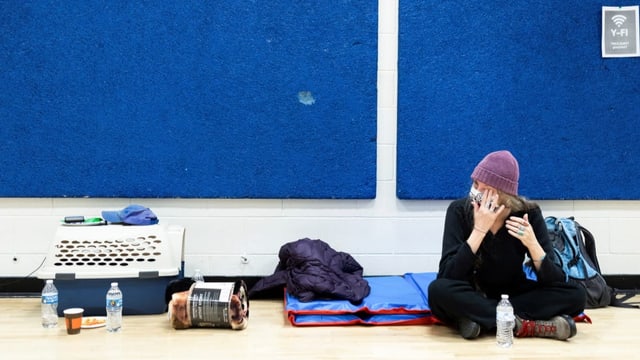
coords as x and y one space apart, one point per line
197 276
114 308
49 306
505 321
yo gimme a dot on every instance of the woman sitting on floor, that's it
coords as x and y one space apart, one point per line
487 238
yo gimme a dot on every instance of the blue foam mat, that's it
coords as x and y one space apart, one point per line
393 300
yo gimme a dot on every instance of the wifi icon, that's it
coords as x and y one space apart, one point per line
619 19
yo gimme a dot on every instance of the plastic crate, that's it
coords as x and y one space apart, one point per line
84 260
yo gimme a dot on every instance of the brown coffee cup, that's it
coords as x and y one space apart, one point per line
73 320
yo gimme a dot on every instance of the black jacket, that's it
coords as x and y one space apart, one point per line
311 269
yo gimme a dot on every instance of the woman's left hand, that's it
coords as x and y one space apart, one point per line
520 228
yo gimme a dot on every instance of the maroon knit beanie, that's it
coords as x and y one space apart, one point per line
500 170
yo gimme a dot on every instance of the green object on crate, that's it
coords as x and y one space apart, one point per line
82 221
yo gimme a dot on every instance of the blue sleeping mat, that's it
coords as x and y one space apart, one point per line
393 300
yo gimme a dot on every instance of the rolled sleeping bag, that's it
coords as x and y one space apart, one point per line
211 304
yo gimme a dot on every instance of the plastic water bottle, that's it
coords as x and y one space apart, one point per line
197 276
114 308
49 306
505 321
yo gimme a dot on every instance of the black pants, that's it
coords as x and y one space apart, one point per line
450 300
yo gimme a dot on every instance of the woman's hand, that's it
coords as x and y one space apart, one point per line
520 229
487 211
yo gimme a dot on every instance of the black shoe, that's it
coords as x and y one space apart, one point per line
468 329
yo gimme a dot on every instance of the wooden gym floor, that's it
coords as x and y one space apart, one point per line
613 334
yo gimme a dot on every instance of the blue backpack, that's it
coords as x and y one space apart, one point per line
575 250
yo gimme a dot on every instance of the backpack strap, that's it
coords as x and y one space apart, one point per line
554 227
567 226
619 298
589 244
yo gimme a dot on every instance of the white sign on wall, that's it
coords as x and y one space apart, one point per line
620 31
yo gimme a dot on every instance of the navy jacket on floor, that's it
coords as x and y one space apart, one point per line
311 269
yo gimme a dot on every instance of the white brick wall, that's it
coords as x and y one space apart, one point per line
386 235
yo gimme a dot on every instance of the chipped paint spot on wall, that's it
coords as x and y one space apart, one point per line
306 97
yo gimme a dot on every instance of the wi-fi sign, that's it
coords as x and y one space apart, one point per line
618 20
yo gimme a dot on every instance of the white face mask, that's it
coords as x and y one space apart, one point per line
475 195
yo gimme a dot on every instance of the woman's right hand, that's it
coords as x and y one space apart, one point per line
487 210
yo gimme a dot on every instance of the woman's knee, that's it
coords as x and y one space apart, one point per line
446 289
439 287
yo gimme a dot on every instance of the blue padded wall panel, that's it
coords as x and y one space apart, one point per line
475 77
220 99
